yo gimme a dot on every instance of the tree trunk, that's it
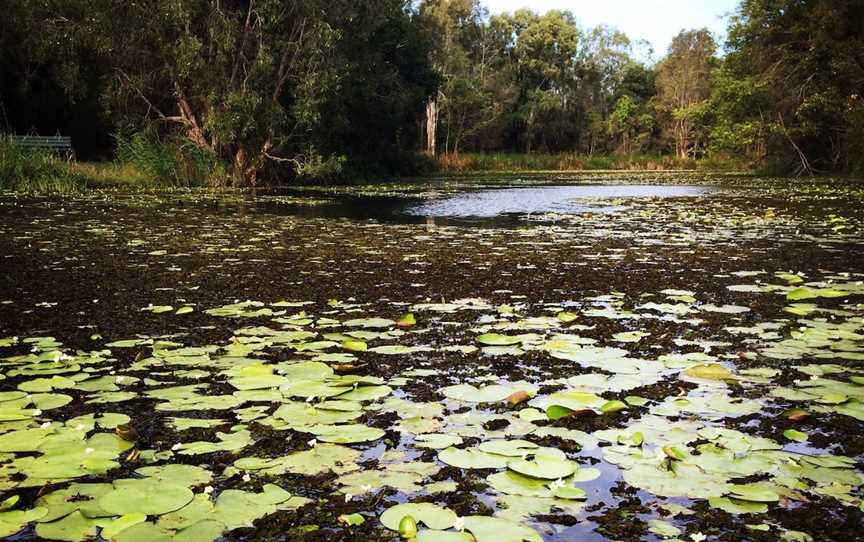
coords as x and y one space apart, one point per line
681 139
530 131
245 170
431 125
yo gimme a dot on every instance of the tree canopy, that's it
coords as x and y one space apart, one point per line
283 89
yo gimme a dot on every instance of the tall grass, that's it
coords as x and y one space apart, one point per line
29 170
169 162
574 162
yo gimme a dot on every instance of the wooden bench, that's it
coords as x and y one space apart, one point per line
58 144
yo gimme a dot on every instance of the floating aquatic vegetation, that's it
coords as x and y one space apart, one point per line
706 350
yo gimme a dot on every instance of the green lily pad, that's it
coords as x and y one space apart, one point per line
431 515
486 394
753 493
510 448
13 521
795 435
488 529
437 441
472 458
545 466
145 497
73 528
181 475
345 434
735 506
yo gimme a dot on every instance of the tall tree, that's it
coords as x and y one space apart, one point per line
809 55
684 80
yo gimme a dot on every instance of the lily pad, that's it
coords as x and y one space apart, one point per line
148 498
431 515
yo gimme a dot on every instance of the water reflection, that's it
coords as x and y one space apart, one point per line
546 199
499 207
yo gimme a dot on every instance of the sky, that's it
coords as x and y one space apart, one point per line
654 20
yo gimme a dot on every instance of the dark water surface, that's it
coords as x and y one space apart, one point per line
615 286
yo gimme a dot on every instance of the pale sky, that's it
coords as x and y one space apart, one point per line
654 20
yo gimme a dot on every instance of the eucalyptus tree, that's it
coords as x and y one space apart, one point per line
684 83
544 51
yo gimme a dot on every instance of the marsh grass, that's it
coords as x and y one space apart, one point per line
577 162
36 171
169 162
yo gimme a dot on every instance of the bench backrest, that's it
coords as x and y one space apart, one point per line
44 142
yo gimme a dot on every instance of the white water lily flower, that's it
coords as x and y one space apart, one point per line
459 524
557 484
697 537
312 442
246 478
348 497
208 490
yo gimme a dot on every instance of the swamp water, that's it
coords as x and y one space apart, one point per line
506 358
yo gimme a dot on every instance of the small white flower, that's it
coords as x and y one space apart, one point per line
557 484
348 497
697 537
459 524
89 450
312 442
208 490
247 478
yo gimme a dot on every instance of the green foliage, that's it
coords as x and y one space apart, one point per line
268 88
169 162
800 63
241 92
501 161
